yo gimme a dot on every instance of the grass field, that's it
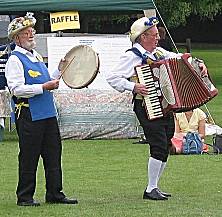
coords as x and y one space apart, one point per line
109 176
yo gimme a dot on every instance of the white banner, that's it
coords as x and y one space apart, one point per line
109 48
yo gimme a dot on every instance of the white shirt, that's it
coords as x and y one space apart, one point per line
14 73
118 76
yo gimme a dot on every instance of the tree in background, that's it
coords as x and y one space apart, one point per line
175 13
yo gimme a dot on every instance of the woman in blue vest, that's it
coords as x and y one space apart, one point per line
36 122
158 132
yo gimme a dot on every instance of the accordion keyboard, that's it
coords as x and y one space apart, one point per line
152 101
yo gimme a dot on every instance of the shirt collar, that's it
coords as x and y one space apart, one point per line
24 51
142 50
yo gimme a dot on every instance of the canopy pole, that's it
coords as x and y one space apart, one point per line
165 27
210 116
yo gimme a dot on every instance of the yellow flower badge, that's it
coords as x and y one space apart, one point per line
34 74
26 23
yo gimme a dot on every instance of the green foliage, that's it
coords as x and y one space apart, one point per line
206 8
98 21
120 18
175 13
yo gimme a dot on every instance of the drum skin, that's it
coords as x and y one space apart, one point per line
81 67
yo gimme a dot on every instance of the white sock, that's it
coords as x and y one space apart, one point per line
154 166
163 165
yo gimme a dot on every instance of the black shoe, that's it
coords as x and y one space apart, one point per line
28 203
165 193
64 200
154 195
141 141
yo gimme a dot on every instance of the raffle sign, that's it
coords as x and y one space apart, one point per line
64 20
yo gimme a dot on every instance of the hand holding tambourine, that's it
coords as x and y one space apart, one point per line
79 67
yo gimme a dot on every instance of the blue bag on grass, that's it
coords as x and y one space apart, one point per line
192 144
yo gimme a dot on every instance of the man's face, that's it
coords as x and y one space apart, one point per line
25 38
151 37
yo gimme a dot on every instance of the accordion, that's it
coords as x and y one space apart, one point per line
174 85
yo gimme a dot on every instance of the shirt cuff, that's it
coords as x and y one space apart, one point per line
55 74
130 86
38 89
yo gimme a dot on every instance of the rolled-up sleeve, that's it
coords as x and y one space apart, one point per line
119 75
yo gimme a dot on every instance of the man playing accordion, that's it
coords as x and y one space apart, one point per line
158 132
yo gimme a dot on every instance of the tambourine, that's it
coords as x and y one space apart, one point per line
81 67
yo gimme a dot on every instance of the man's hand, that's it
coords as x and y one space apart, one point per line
61 64
140 89
51 85
203 70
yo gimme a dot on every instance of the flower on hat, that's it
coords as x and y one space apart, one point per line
147 23
29 15
20 23
26 22
151 21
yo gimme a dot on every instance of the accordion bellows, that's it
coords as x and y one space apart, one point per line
174 85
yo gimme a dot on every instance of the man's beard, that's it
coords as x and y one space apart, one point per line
29 45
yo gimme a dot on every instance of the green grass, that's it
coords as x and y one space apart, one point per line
109 176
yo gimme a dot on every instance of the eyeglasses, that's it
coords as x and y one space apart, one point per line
152 35
28 33
155 35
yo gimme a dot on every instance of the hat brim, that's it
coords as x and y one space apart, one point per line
140 26
133 37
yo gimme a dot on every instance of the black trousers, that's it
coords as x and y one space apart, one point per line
38 138
158 132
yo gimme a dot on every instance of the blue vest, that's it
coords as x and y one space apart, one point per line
41 106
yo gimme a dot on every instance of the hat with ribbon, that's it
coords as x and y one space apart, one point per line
20 23
141 25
